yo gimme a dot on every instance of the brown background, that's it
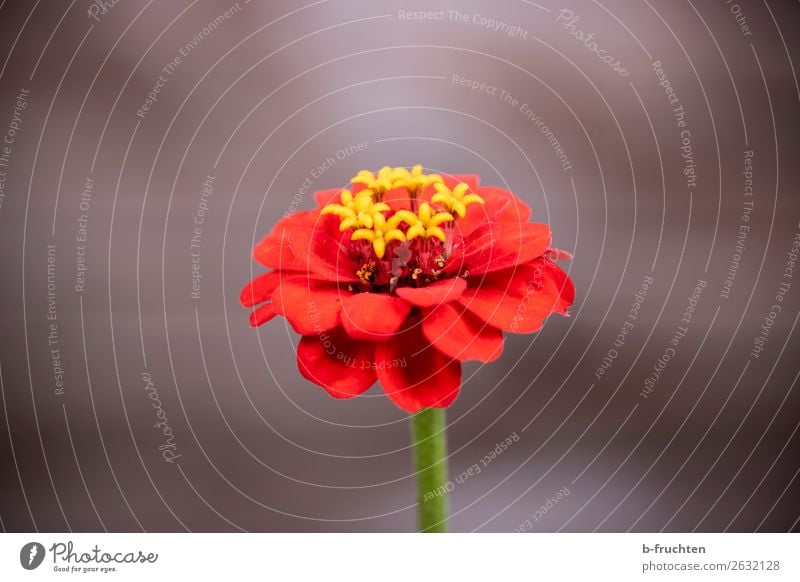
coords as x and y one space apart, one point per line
271 93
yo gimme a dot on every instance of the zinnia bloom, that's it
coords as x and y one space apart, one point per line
404 276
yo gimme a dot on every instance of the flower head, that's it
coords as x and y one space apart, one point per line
403 277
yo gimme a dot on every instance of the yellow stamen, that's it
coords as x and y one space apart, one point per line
356 211
457 199
426 223
382 233
381 182
390 178
364 213
415 180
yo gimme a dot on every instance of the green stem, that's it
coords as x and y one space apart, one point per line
430 460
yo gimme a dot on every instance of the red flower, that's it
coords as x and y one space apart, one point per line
405 277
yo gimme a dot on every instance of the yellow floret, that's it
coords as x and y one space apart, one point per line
356 211
390 178
381 234
415 180
457 199
381 182
426 223
364 212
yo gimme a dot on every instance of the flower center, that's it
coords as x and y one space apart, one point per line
408 246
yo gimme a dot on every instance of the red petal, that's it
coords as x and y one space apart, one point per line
558 285
461 335
274 250
311 306
499 246
259 289
433 295
415 375
373 316
330 196
520 299
397 199
330 258
337 363
262 315
500 206
310 243
557 255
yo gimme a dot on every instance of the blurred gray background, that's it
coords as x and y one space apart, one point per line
269 101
